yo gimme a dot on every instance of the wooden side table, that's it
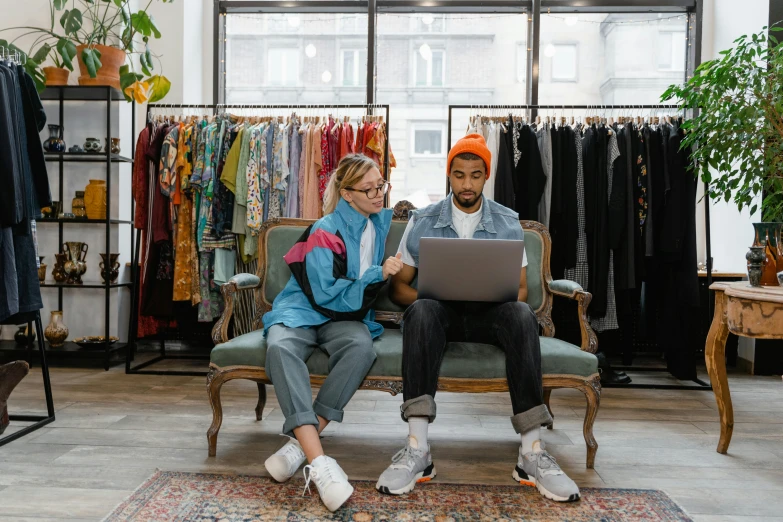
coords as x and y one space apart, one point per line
746 311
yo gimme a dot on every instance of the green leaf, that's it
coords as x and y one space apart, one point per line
71 21
59 4
776 29
127 79
42 53
67 50
154 28
92 60
148 56
159 87
141 23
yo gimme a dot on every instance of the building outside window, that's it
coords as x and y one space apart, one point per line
283 67
430 67
671 50
428 139
564 58
430 23
521 62
354 67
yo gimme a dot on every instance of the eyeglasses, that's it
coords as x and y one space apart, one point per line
372 193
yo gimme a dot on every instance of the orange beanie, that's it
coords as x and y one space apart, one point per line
473 144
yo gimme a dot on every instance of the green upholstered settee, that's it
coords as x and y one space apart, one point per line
467 367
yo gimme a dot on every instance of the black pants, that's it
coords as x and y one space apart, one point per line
428 327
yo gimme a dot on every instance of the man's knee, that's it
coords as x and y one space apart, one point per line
517 315
423 310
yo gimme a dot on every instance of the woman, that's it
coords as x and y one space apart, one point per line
327 305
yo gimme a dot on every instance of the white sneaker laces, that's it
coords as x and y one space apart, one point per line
547 465
325 474
291 452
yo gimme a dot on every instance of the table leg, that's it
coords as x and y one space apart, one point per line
715 357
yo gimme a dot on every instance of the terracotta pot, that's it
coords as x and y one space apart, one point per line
56 75
109 73
56 332
95 199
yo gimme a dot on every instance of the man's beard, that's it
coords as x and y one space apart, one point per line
468 204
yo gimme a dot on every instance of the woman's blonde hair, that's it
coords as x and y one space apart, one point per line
350 171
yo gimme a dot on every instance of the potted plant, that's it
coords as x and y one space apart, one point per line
736 137
103 36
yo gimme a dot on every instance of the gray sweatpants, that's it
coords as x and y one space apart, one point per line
351 354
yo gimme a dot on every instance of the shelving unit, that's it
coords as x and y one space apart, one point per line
72 353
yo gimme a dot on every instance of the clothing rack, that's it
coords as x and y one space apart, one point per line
699 384
214 110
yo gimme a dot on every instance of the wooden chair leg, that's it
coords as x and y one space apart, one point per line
547 395
592 391
214 382
261 400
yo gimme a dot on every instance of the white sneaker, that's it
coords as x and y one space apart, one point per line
330 480
283 464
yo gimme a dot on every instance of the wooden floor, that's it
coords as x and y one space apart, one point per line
113 430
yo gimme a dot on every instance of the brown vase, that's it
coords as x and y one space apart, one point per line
769 269
109 73
77 205
56 75
56 332
114 266
75 266
41 269
95 199
58 272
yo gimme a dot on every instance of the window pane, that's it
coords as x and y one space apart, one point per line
291 52
472 63
564 62
521 62
428 142
349 63
618 57
665 50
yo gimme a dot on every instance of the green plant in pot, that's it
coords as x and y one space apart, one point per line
736 137
102 35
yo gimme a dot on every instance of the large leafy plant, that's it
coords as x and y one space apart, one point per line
737 135
93 22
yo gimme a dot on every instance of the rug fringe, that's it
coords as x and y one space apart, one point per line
149 480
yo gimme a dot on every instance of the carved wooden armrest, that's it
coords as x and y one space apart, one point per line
572 290
237 283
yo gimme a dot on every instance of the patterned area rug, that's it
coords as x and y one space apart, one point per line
173 496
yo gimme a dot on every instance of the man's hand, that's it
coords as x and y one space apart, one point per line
392 266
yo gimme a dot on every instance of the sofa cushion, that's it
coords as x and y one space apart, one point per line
464 360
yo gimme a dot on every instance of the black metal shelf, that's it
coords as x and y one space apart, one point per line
81 93
87 284
70 354
84 221
86 157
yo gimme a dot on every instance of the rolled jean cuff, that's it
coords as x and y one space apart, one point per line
327 413
423 406
531 419
299 419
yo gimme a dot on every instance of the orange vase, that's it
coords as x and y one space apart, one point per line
95 199
769 270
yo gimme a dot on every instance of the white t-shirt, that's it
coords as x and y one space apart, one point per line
465 224
366 248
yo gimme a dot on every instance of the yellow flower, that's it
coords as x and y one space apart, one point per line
138 91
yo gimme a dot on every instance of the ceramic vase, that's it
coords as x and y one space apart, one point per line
77 206
41 269
95 199
114 266
55 141
24 335
75 267
768 235
112 144
56 332
755 257
92 145
58 272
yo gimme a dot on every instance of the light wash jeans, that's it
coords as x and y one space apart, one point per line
351 354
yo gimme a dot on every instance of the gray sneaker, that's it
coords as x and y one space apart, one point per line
539 469
409 466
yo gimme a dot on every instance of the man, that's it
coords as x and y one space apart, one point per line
428 326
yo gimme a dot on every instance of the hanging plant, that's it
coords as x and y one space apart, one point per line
107 38
737 136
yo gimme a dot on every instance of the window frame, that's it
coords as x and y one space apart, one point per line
575 78
439 126
415 62
360 82
670 32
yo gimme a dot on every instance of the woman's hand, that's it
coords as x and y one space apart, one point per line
392 266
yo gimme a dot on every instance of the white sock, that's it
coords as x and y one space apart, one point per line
417 428
529 438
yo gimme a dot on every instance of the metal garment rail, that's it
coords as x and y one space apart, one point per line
699 384
214 109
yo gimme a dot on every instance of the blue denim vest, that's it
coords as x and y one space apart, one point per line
497 222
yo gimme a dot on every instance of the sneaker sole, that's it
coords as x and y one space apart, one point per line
341 502
524 479
421 477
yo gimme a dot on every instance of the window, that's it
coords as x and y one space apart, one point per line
428 140
563 62
521 62
352 23
283 23
671 50
431 23
430 67
283 67
354 67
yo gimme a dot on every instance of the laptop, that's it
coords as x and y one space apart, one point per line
470 269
